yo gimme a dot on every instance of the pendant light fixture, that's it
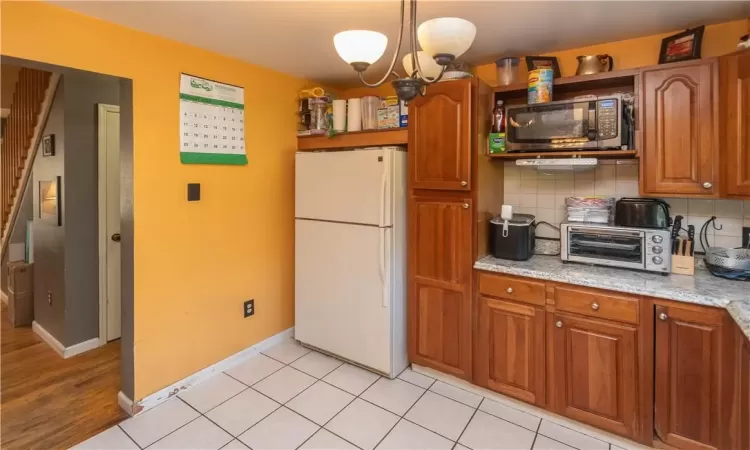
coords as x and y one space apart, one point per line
442 40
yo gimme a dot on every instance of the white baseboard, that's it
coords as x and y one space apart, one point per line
125 403
65 352
527 408
165 394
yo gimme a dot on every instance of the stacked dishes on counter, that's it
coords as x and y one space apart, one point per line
590 209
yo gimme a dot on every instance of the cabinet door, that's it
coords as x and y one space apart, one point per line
439 279
679 108
440 137
743 427
736 112
510 349
686 377
596 381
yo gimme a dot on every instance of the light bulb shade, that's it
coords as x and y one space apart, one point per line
430 68
361 46
446 35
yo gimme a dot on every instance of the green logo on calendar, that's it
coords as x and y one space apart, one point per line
201 84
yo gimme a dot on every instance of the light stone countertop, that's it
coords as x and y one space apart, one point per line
701 289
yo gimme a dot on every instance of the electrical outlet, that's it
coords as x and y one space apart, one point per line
745 237
249 308
49 297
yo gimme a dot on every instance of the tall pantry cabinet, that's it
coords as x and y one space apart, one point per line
448 128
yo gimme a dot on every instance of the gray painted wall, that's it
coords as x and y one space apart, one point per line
83 92
49 239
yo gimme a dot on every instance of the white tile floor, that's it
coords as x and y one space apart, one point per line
291 397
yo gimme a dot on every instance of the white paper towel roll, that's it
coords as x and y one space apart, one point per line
354 115
339 115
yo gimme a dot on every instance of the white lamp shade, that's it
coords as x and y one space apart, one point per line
447 35
430 68
360 45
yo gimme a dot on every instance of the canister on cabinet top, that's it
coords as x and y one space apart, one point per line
540 85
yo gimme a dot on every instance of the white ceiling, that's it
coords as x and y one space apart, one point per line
296 37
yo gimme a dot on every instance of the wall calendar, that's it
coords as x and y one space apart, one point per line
212 122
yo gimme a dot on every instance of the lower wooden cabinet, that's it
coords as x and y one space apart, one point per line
687 381
595 372
510 349
439 283
743 373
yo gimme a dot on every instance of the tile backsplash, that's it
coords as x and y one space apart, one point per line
543 195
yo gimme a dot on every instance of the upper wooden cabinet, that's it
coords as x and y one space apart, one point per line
735 101
687 387
679 120
439 283
510 349
595 372
440 137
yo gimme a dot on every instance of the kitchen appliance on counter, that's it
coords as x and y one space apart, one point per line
591 64
514 238
350 255
608 245
589 123
642 213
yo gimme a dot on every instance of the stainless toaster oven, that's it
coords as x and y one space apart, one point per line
629 248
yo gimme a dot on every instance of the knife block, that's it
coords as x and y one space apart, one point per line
683 264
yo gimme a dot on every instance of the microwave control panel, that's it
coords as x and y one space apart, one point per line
608 118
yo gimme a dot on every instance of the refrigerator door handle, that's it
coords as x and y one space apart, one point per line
383 272
383 186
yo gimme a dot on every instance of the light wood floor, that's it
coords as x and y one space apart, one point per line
47 402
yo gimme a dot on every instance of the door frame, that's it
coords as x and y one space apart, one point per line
102 110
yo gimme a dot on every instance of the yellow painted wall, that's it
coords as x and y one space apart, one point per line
718 39
195 263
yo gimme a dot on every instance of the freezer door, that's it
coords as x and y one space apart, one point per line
342 298
347 186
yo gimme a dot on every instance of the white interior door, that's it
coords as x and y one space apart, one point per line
341 299
109 220
347 186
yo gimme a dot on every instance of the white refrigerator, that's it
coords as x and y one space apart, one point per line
350 255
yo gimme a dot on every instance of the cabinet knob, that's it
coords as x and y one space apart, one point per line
510 290
595 306
558 324
707 185
465 205
463 183
663 316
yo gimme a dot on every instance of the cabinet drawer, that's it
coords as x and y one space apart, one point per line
596 303
512 288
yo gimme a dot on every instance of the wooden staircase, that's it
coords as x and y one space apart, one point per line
31 100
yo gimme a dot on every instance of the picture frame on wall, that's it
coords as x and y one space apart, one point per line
48 145
682 46
543 62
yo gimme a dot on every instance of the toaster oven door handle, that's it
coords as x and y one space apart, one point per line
611 232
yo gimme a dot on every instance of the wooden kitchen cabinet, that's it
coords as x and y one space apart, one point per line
743 423
687 391
440 257
735 104
595 377
679 122
440 141
510 349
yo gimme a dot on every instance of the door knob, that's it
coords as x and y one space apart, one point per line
707 185
463 183
116 237
663 316
595 306
510 290
465 206
558 324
